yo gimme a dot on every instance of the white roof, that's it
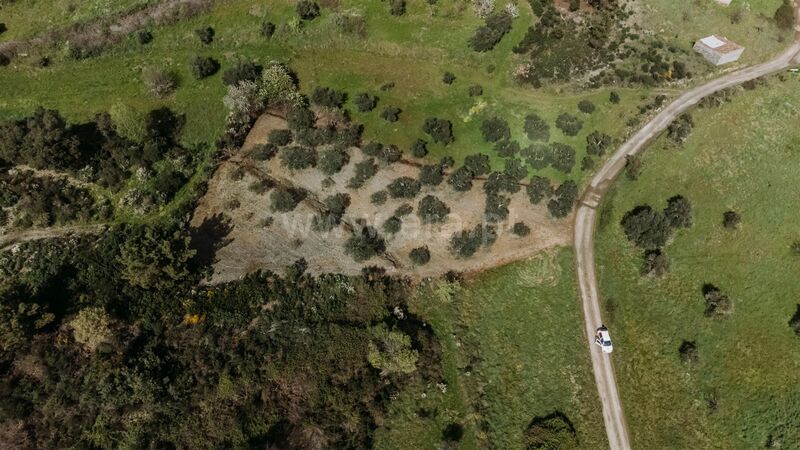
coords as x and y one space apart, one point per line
712 41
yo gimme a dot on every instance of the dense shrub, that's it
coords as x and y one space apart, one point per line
538 189
597 143
587 163
678 212
379 197
335 206
633 166
327 97
448 78
536 128
300 119
495 129
365 102
496 208
461 179
280 137
498 182
203 67
656 263
431 175
680 129
477 164
391 113
397 7
731 219
332 161
419 148
267 29
569 124
538 155
403 210
160 83
646 227
404 187
420 256
520 229
307 10
298 158
506 148
387 154
364 244
563 157
688 351
476 90
613 97
487 36
565 196
243 70
586 107
144 37
441 130
466 242
206 34
284 200
718 304
263 152
392 225
554 431
784 15
432 210
364 170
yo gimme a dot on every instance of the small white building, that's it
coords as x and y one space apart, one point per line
724 2
718 50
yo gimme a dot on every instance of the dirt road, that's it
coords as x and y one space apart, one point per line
585 222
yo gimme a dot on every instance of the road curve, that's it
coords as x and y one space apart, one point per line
613 416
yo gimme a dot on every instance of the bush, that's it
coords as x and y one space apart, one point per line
448 78
332 161
160 83
280 137
477 164
586 107
379 197
259 187
680 129
496 208
431 175
392 225
539 189
337 204
263 152
613 97
203 67
688 352
328 97
466 242
364 244
656 263
391 113
365 102
397 7
441 130
500 182
515 169
284 200
569 124
678 212
420 256
564 199
363 171
587 163
718 304
554 431
784 15
92 327
243 70
404 187
731 219
495 129
432 210
403 210
487 36
597 143
298 158
633 166
794 322
307 10
536 128
520 229
300 119
506 148
563 157
388 154
475 90
646 228
144 37
267 29
206 35
538 155
446 162
461 179
419 149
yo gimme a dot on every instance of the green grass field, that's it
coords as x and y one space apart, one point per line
742 156
513 350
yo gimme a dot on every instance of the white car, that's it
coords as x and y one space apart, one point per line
603 339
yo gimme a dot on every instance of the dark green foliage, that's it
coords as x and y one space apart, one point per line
364 244
298 158
680 129
44 202
280 137
498 182
432 210
346 137
539 189
387 154
587 163
506 148
688 352
633 166
336 206
446 162
144 37
206 35
554 431
569 124
431 175
379 197
597 143
300 119
365 102
613 97
477 164
448 78
3 28
363 171
243 70
563 157
404 187
784 15
4 60
307 10
794 322
420 256
586 107
419 148
466 242
496 208
441 130
392 225
515 169
332 161
495 129
565 196
267 29
731 219
403 210
475 90
678 212
656 263
391 113
263 152
520 229
397 7
646 227
43 140
461 179
536 128
330 98
285 200
718 304
538 155
487 36
203 67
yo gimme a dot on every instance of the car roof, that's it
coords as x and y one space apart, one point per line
604 335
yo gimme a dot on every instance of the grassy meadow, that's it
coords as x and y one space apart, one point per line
742 391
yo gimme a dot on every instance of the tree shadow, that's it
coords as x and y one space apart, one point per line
209 237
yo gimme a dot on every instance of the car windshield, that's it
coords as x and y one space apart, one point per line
607 343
